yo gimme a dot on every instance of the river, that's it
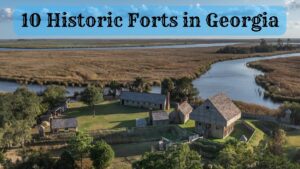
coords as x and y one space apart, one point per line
237 80
232 77
204 45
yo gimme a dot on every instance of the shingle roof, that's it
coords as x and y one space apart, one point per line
64 123
219 110
144 97
159 115
185 108
225 106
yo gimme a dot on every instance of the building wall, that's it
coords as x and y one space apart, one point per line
207 113
178 117
228 130
143 104
217 131
64 130
184 118
214 131
160 122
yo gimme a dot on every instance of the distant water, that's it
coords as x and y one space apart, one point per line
126 48
13 86
234 78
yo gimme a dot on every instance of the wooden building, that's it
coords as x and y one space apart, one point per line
182 113
216 116
158 118
69 124
144 100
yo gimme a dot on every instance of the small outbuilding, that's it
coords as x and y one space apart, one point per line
41 130
158 118
216 117
243 138
182 113
69 124
140 122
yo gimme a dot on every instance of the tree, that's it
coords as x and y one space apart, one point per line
270 161
280 44
6 115
102 155
66 161
114 86
36 161
263 43
25 105
295 109
54 95
167 85
297 156
276 144
139 85
184 89
236 155
177 157
17 133
91 96
18 112
80 145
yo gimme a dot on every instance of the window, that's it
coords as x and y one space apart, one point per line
207 107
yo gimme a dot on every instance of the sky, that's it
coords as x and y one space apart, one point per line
7 7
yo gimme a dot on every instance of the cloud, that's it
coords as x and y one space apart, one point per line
6 14
292 4
294 24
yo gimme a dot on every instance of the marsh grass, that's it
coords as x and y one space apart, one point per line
80 67
281 79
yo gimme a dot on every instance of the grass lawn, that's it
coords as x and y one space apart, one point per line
292 142
258 135
109 115
293 138
133 149
189 126
240 130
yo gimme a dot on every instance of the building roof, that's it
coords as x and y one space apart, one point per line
159 115
185 108
219 110
64 123
243 138
143 97
225 106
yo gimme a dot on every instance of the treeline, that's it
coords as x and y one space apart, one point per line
232 155
80 147
180 89
263 47
295 111
19 111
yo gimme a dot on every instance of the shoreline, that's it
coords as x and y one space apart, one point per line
201 71
267 84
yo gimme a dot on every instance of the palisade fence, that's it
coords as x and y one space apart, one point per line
251 129
259 117
120 135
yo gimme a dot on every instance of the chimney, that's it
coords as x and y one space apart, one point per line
168 101
150 116
177 106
